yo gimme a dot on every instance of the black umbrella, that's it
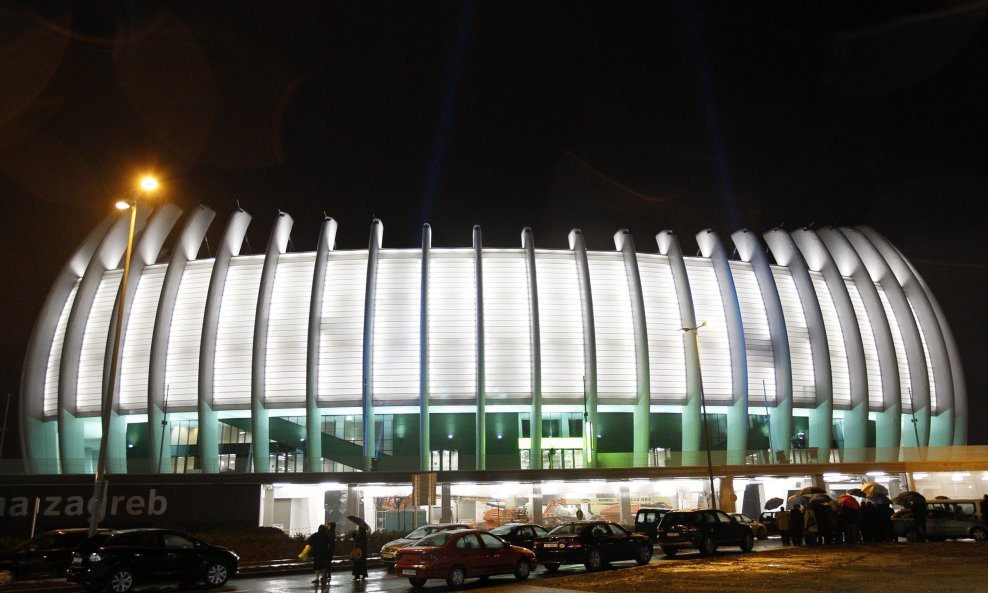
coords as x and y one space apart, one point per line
857 492
909 499
810 490
774 503
360 522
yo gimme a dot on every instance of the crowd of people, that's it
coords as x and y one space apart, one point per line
833 523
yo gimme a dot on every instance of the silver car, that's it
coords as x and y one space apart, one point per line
940 525
390 549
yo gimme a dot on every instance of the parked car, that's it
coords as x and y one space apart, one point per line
462 554
520 534
969 508
647 521
940 525
128 558
390 549
47 554
757 527
704 530
771 522
593 544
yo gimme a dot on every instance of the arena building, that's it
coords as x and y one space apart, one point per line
484 358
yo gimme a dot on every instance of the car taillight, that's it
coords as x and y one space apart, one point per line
95 557
575 544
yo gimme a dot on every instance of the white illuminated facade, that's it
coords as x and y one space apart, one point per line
336 368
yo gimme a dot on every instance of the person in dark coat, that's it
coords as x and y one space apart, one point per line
360 559
919 518
322 543
796 525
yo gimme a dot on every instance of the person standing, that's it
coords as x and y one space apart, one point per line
919 518
782 523
796 525
359 553
319 550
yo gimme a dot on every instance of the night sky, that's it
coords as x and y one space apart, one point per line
554 115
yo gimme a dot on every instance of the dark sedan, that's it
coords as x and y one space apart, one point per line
47 554
520 534
705 530
134 557
593 544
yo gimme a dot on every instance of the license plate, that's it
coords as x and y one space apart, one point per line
77 560
673 534
408 573
552 545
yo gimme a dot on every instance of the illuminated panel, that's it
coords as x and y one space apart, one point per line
757 337
90 381
715 351
55 356
560 325
613 325
397 331
452 325
929 363
840 373
341 330
507 327
235 333
872 366
135 360
666 357
288 328
905 394
185 337
800 350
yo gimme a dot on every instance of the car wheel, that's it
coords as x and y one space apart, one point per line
669 551
708 546
522 570
121 580
747 542
551 566
593 561
979 534
217 574
457 575
416 582
644 554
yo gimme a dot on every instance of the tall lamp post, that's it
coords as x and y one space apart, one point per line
703 409
148 185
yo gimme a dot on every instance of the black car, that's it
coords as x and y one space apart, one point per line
47 554
593 544
520 534
647 522
132 557
703 529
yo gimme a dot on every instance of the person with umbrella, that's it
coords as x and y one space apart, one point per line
916 503
322 544
359 552
796 525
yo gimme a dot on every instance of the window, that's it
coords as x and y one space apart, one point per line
490 541
723 518
448 460
616 530
174 541
468 542
599 531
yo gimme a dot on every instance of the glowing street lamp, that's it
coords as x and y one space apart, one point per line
148 184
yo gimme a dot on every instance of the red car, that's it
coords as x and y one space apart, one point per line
460 555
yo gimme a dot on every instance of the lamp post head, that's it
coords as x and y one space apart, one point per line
149 183
123 205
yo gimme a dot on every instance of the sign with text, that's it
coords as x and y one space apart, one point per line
424 488
193 506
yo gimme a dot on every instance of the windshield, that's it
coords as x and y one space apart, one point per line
421 532
436 539
568 529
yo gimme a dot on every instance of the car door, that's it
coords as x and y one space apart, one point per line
499 558
728 530
472 554
183 556
602 541
146 556
622 546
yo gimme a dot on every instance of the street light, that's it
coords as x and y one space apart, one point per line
703 408
148 184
